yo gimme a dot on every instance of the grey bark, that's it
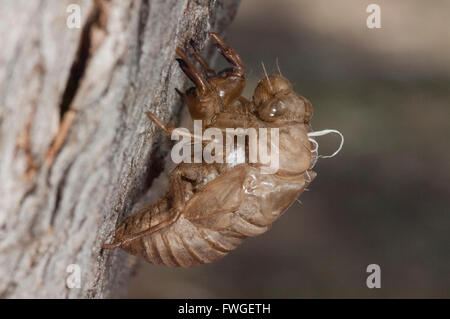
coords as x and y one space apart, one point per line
76 149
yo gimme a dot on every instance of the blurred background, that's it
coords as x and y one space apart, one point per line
384 199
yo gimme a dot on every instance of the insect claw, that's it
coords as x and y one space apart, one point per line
217 39
182 63
181 94
191 71
180 52
229 54
209 72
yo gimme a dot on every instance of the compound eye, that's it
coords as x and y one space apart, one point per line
277 109
271 110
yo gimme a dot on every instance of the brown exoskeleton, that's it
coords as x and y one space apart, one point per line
211 208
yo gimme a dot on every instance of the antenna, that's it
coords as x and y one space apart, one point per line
278 66
267 77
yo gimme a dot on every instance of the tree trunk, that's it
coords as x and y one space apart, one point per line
76 149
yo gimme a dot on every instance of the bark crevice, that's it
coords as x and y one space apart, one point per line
81 61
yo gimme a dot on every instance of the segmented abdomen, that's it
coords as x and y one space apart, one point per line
188 243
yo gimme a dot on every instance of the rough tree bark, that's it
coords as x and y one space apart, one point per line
76 149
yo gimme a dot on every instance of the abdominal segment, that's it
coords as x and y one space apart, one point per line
191 242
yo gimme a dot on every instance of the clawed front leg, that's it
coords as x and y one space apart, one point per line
229 54
213 92
209 72
192 72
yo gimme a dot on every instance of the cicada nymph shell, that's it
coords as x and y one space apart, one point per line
210 209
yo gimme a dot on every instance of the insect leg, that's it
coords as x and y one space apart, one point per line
129 239
229 54
209 72
192 72
178 192
167 129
